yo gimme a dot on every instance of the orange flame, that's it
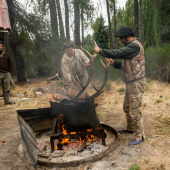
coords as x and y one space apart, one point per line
64 130
89 130
72 133
67 141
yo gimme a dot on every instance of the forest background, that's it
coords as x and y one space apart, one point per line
35 41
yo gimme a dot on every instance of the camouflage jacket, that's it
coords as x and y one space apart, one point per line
134 68
74 66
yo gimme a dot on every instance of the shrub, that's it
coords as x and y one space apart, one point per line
159 101
135 166
158 62
122 89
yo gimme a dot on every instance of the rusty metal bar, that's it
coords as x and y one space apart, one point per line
28 141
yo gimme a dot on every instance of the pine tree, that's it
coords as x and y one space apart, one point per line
101 34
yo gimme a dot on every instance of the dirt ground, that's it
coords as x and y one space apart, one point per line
153 153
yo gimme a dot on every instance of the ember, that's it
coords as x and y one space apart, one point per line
79 144
76 143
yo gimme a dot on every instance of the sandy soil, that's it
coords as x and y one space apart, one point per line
153 153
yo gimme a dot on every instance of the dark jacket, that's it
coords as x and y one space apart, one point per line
5 63
126 52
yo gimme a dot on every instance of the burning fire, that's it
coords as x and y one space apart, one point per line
73 144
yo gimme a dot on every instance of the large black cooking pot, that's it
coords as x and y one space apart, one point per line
77 116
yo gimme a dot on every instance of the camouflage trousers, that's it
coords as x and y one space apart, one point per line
5 83
133 107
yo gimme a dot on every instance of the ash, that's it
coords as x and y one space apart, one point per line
71 151
84 149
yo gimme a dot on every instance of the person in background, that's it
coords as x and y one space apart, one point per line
5 74
133 74
74 63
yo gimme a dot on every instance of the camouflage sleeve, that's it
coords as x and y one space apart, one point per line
83 57
65 71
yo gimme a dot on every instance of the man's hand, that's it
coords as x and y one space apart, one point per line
109 59
87 64
96 49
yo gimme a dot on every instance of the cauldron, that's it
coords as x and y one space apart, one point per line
77 116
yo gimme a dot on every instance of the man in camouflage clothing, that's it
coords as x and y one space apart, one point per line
73 65
133 72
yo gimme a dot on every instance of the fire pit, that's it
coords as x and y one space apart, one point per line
68 133
36 126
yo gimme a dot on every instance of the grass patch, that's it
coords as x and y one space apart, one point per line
3 128
164 120
146 88
120 90
165 130
146 161
159 101
116 102
135 166
144 105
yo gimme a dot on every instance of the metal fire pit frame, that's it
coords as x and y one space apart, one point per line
37 121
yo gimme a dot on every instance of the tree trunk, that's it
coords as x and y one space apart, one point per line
82 26
17 51
54 22
115 23
141 24
136 18
160 19
67 19
60 20
77 23
19 64
110 28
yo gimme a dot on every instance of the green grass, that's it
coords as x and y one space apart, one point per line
116 102
3 128
146 161
146 88
122 89
144 105
135 166
164 120
159 101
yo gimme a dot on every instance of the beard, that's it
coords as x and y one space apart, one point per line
126 42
